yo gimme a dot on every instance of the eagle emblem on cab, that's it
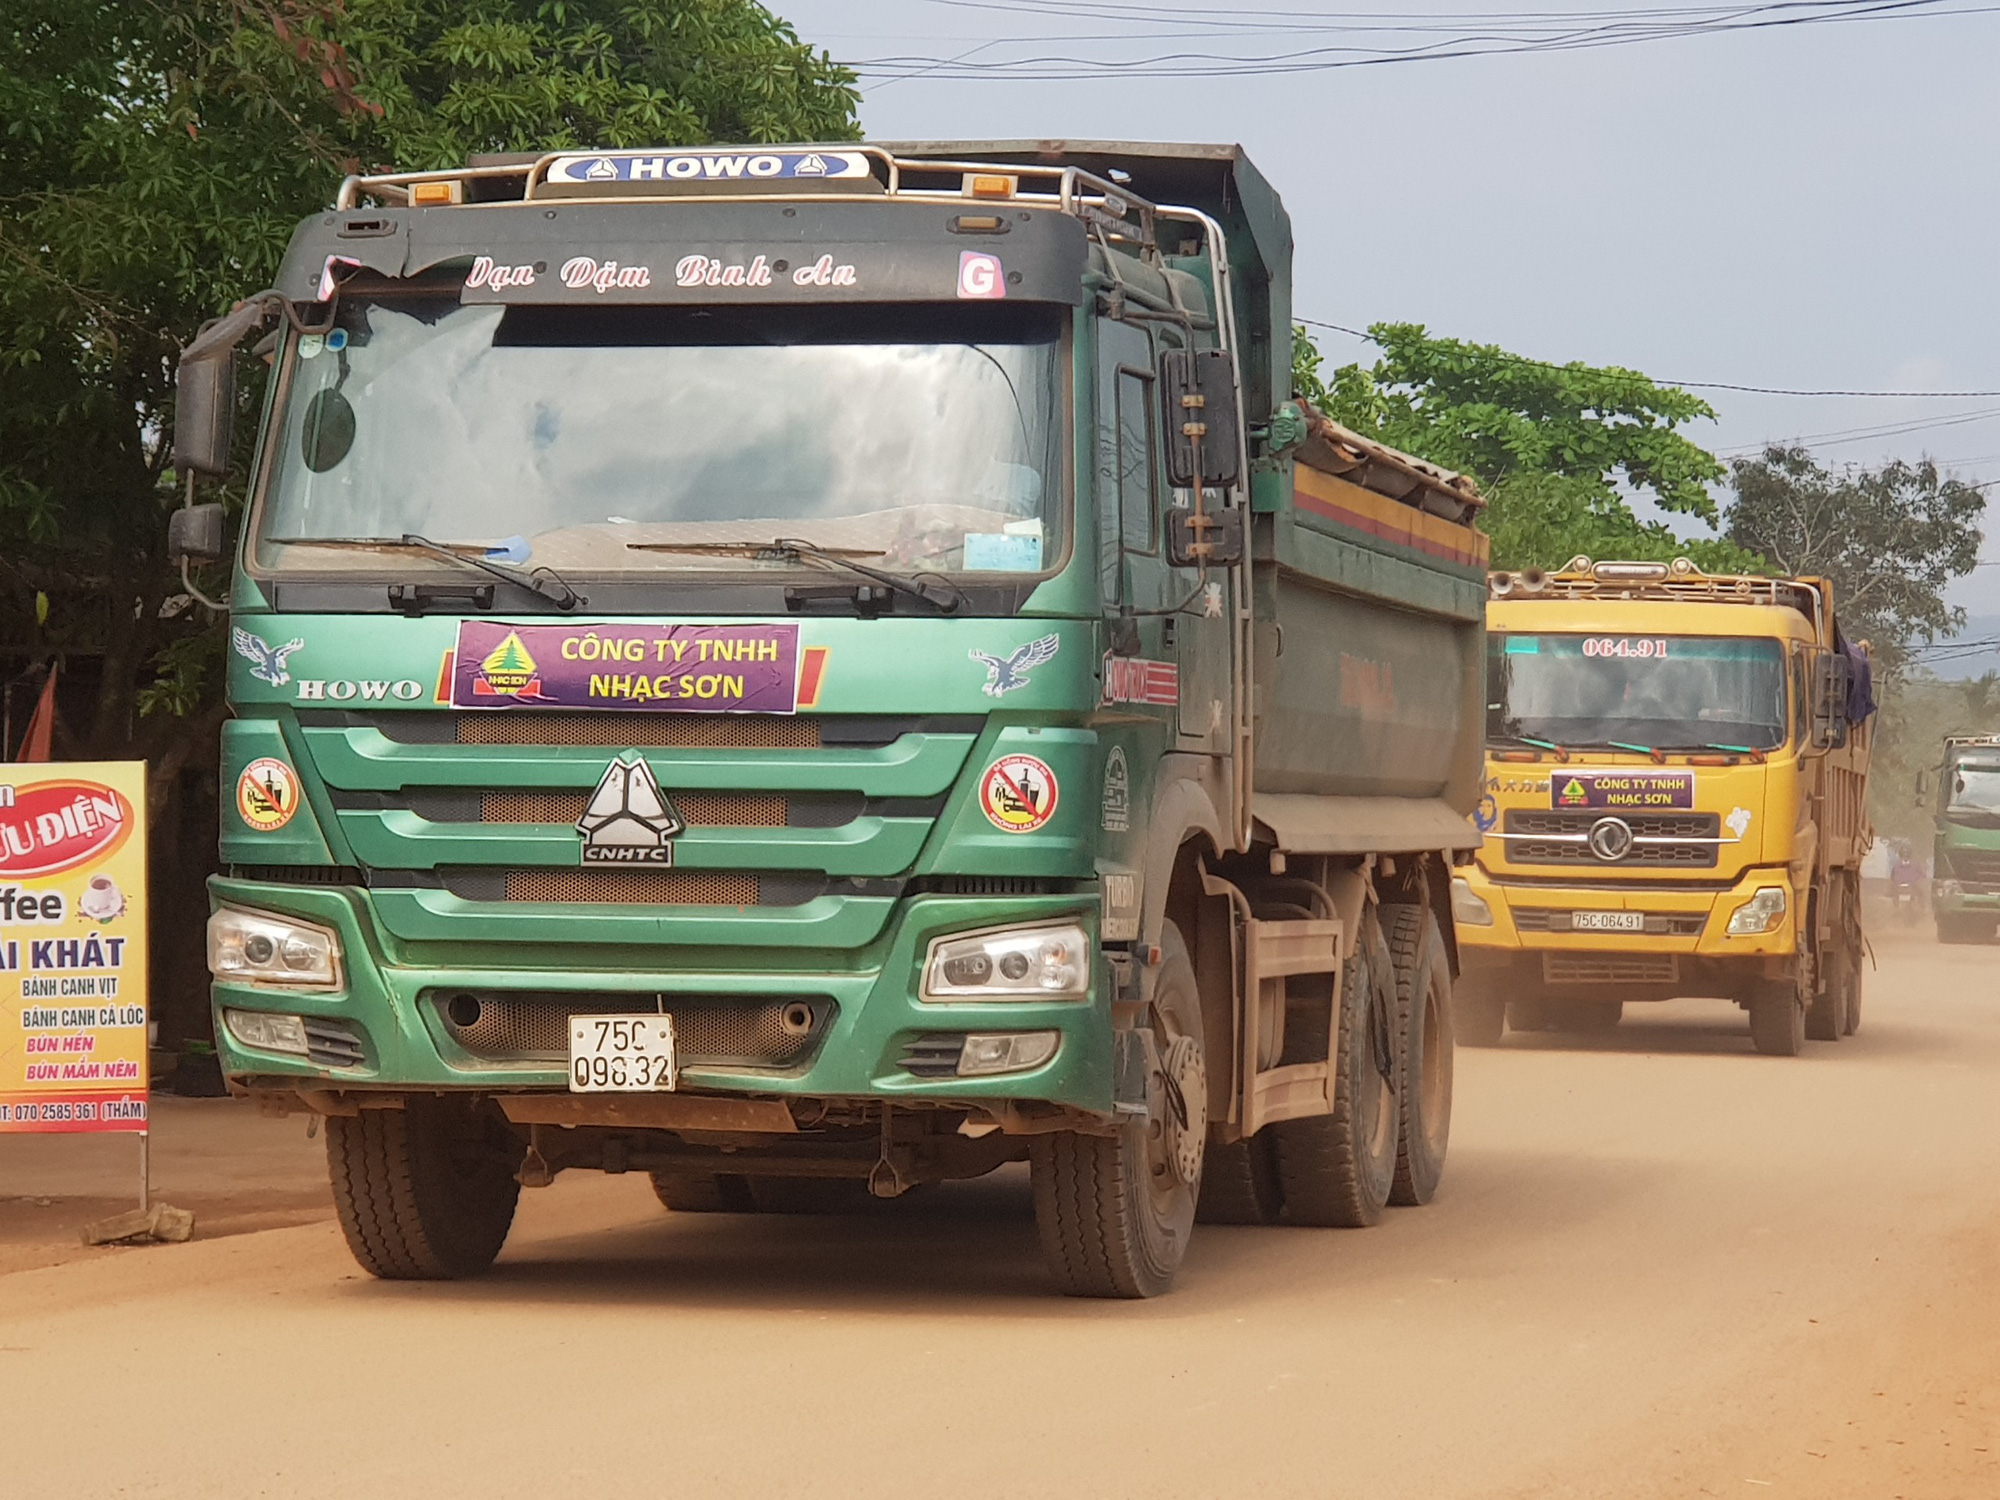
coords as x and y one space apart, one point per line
1005 673
267 662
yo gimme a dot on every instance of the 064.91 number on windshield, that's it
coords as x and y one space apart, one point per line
1640 646
621 1054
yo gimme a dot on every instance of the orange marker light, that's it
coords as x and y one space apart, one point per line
990 185
436 194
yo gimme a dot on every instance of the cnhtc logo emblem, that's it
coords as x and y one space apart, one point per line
629 820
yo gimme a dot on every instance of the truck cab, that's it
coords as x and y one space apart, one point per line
832 665
1673 804
1965 869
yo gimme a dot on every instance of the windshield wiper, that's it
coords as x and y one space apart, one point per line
944 596
545 581
1750 750
1654 752
1561 751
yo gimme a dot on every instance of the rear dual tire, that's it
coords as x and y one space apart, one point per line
1338 1170
1424 1024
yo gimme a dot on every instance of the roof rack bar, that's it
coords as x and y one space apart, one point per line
1070 188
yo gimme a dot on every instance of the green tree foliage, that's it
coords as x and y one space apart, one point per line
154 158
1891 539
1559 449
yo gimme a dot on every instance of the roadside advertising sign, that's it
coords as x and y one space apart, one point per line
73 947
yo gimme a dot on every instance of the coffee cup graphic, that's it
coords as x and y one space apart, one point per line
101 899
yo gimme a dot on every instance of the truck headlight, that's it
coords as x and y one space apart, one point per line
1467 906
267 1032
1949 890
265 949
1763 912
1051 963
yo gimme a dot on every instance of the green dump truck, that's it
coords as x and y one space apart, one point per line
1965 862
832 668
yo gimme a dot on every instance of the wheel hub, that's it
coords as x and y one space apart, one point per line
1184 1107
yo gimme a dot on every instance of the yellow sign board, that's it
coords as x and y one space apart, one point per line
73 946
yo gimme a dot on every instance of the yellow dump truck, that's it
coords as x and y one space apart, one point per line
1675 803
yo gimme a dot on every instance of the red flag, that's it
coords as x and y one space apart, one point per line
42 727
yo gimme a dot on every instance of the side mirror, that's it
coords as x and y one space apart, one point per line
204 413
1923 787
1198 387
195 534
1829 707
205 389
1222 530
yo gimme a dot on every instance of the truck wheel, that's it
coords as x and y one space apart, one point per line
1337 1169
1531 1015
1826 1017
1424 1023
704 1192
1962 929
1115 1212
1854 956
1239 1183
1583 1015
1481 1019
425 1192
1778 1020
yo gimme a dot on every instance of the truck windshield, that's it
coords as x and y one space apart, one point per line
620 440
1657 691
1974 788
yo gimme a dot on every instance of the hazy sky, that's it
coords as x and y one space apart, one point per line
1803 206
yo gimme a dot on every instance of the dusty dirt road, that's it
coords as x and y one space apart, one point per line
1661 1267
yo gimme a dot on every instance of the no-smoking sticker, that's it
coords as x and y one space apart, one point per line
267 794
1018 794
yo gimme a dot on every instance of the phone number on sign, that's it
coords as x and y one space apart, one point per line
1624 646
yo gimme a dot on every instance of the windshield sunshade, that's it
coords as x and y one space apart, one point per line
1652 691
624 441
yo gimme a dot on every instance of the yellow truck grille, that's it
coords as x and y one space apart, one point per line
1561 836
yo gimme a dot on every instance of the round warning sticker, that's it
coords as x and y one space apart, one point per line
1018 793
267 794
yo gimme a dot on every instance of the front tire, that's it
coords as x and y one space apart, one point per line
1424 1022
1481 1019
1115 1212
1778 1020
425 1192
1338 1169
1962 929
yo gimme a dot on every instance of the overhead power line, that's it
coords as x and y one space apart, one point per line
1725 385
1449 35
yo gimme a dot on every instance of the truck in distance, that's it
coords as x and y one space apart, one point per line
1675 803
833 665
1965 864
